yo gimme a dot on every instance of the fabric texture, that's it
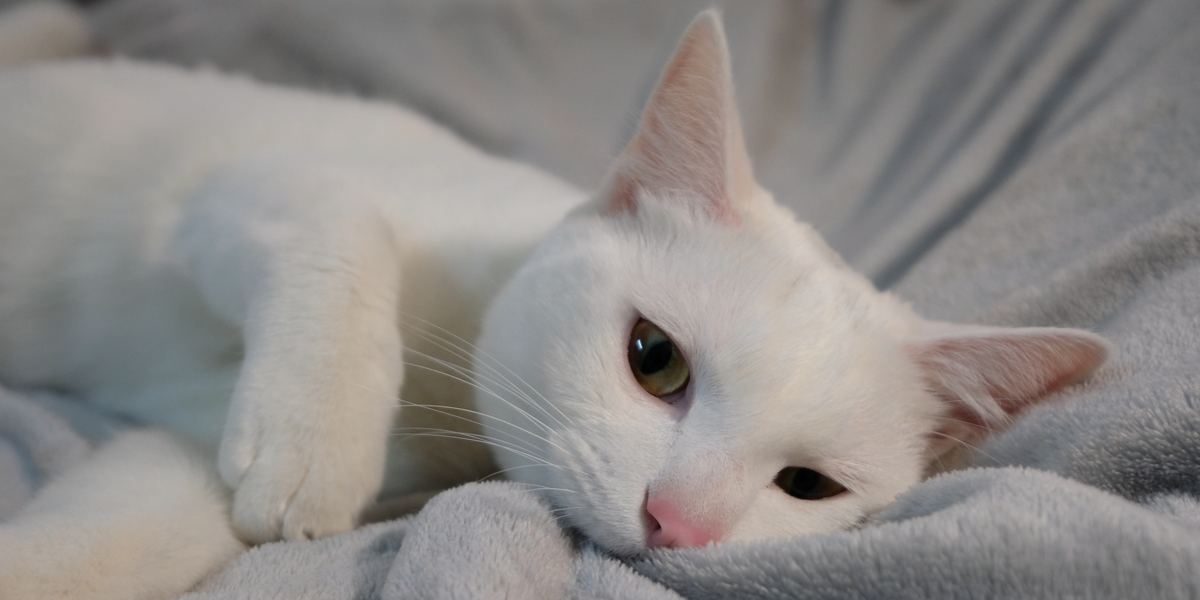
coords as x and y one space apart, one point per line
1010 163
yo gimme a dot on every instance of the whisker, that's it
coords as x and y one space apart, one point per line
542 488
559 515
434 432
547 489
502 471
968 445
476 386
516 442
474 382
370 390
980 426
442 409
486 358
438 409
464 355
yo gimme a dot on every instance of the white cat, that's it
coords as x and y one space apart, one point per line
672 362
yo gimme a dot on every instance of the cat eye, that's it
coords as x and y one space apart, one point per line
656 362
807 484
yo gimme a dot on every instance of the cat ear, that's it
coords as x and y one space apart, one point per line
688 146
987 375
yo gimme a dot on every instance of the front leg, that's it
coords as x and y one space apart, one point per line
310 271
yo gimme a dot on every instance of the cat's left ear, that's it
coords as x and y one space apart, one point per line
987 375
689 145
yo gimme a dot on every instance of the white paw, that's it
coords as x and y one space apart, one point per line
298 478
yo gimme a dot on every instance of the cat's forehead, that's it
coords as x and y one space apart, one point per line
764 294
756 279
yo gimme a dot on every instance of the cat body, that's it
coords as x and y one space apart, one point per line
671 361
107 285
174 203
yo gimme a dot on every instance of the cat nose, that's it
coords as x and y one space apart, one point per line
668 528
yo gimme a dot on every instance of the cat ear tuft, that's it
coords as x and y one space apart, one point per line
988 375
689 145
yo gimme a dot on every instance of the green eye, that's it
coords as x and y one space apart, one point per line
807 484
655 361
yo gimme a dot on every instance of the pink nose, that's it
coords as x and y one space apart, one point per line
669 529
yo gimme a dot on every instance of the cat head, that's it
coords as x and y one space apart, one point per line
688 363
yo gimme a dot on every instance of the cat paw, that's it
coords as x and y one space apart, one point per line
298 487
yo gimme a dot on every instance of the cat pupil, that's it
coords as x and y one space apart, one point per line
657 358
655 362
807 484
805 479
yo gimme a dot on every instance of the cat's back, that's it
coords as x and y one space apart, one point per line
99 157
82 136
103 119
90 98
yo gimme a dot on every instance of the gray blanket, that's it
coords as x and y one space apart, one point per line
1012 163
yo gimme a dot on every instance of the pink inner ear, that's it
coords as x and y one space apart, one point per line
987 375
623 198
1011 368
622 194
688 146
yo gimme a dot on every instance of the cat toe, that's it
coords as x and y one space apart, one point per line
323 506
261 500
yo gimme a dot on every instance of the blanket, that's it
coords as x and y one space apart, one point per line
1011 163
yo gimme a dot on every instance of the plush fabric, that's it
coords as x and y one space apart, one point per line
1012 163
479 541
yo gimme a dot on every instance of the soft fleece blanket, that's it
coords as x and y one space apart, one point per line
1014 163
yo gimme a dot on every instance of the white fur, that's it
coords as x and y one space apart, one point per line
142 518
259 270
144 253
795 359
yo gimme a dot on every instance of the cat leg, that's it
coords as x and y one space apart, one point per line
310 272
143 517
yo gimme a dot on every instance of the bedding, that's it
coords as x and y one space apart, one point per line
1013 163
